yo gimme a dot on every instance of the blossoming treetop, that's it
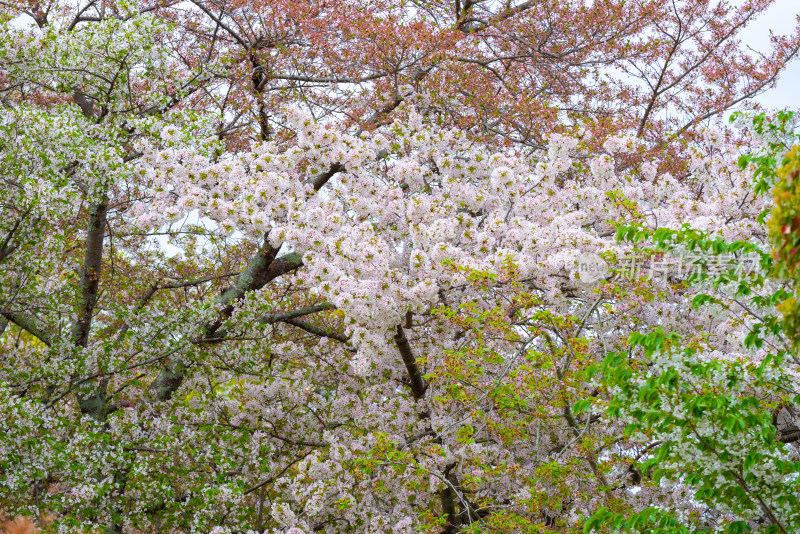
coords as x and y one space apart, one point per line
312 266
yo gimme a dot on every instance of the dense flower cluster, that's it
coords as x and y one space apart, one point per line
234 300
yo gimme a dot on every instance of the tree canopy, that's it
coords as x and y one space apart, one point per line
363 266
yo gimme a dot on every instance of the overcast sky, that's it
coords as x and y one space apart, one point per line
781 18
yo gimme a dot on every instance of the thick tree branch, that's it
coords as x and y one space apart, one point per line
321 179
317 331
86 103
789 436
168 380
260 271
90 273
30 325
418 386
273 318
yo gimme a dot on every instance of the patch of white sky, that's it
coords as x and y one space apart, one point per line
781 18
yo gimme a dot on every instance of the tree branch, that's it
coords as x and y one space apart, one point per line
317 331
273 318
418 386
30 325
260 271
321 179
7 247
90 273
789 436
168 380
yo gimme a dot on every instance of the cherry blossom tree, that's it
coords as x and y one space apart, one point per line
321 267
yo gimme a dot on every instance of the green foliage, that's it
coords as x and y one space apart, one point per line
784 233
714 421
716 436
